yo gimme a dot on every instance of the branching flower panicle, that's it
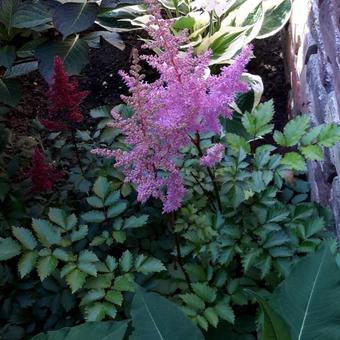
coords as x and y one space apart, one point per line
42 174
64 100
184 100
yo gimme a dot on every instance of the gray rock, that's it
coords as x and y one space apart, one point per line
313 63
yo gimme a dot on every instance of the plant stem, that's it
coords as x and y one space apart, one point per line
74 142
197 143
211 23
178 250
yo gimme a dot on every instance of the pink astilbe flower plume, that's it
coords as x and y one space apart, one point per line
184 100
214 155
64 100
42 175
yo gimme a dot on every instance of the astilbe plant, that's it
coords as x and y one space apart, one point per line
42 174
185 100
64 100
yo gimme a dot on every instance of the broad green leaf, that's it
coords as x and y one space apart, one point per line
31 14
8 248
329 135
27 263
25 237
76 280
113 38
101 187
306 299
21 69
274 327
46 266
46 232
277 14
74 17
126 261
294 160
312 152
93 216
73 51
154 317
107 330
205 292
135 222
7 56
62 254
10 92
7 10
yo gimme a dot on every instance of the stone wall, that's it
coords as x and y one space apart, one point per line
313 64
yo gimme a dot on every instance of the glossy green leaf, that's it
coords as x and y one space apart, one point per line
154 317
114 330
306 298
72 17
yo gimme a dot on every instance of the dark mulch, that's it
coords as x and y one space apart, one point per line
269 64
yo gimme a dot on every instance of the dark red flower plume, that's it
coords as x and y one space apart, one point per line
43 175
64 100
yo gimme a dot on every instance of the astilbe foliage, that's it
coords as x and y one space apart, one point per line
42 174
64 100
184 100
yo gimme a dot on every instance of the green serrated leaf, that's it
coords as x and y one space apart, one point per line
76 279
211 316
95 202
135 222
9 248
115 297
79 234
205 292
295 129
58 217
329 135
25 237
101 187
193 301
46 232
294 160
27 263
117 209
93 216
126 261
87 256
46 266
149 265
312 152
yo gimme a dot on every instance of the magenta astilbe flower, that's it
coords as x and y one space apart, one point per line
181 102
42 175
214 155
